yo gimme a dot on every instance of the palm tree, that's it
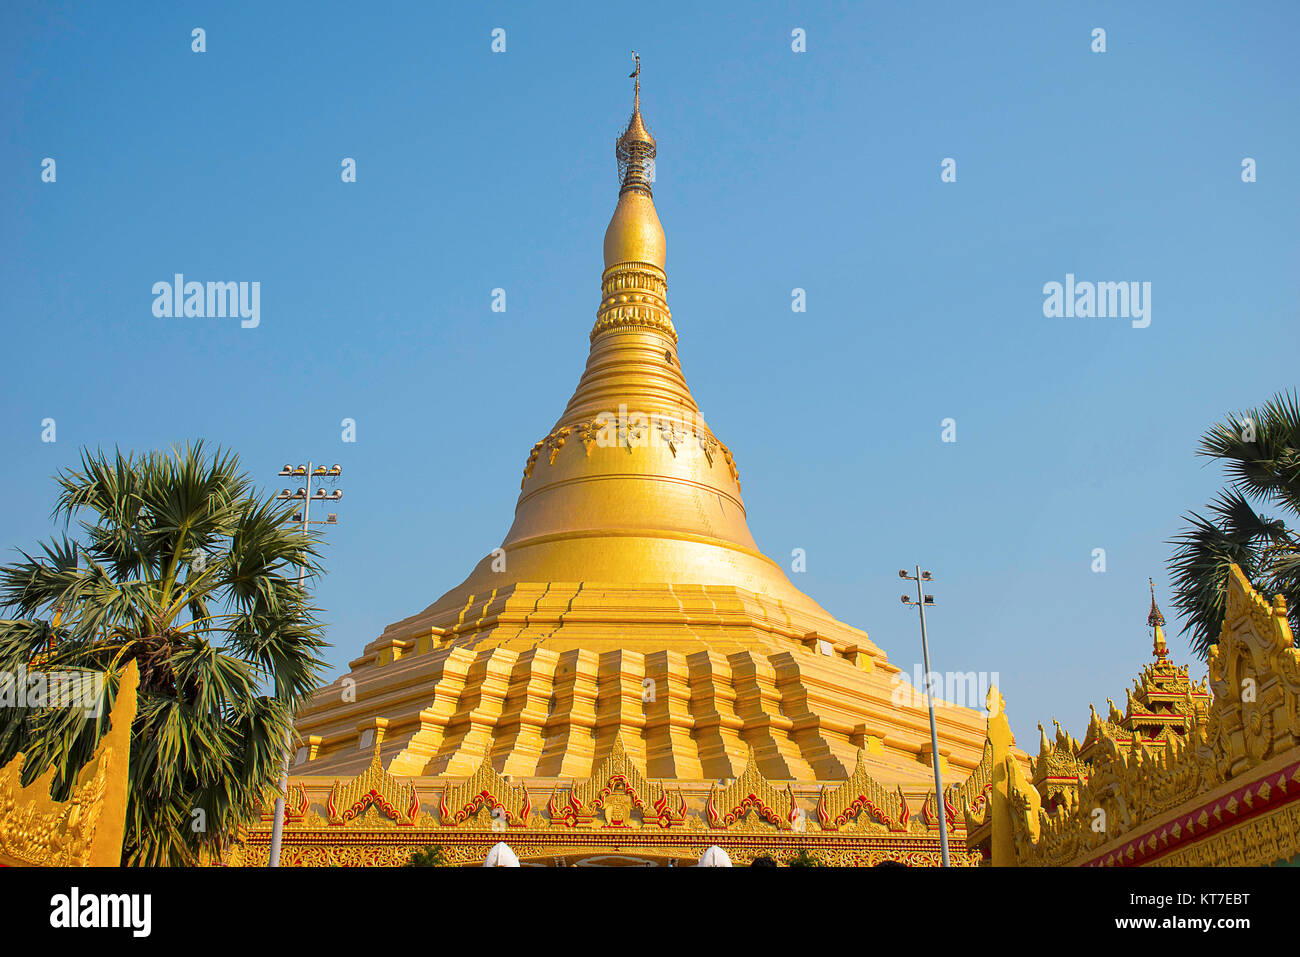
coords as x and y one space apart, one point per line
1260 449
182 568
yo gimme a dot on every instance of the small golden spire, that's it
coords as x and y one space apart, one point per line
1156 621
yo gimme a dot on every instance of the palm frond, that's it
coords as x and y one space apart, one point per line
1260 451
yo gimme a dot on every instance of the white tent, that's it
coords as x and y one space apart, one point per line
501 856
714 857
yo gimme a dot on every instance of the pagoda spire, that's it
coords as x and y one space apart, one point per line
635 148
634 285
1156 622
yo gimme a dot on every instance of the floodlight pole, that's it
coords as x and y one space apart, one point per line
921 601
277 824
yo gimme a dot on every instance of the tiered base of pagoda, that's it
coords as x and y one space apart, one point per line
543 678
573 720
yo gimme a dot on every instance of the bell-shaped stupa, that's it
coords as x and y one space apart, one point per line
629 609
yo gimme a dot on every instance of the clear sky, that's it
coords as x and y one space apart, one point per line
818 170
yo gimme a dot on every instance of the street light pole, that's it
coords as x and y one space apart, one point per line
921 601
304 495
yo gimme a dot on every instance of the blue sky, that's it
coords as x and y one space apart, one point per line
818 170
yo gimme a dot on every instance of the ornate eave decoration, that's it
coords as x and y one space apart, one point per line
485 790
859 793
373 787
296 805
1059 772
750 792
616 785
930 811
617 810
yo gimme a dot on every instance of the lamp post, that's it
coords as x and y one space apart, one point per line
304 495
921 601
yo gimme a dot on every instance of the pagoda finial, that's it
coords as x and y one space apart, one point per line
635 235
1156 622
635 148
636 89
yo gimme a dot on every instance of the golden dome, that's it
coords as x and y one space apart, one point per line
635 233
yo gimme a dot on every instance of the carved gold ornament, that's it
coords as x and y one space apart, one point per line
88 828
1181 778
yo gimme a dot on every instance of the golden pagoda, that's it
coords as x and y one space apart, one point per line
628 664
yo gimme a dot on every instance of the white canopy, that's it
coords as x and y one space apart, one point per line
501 856
714 857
